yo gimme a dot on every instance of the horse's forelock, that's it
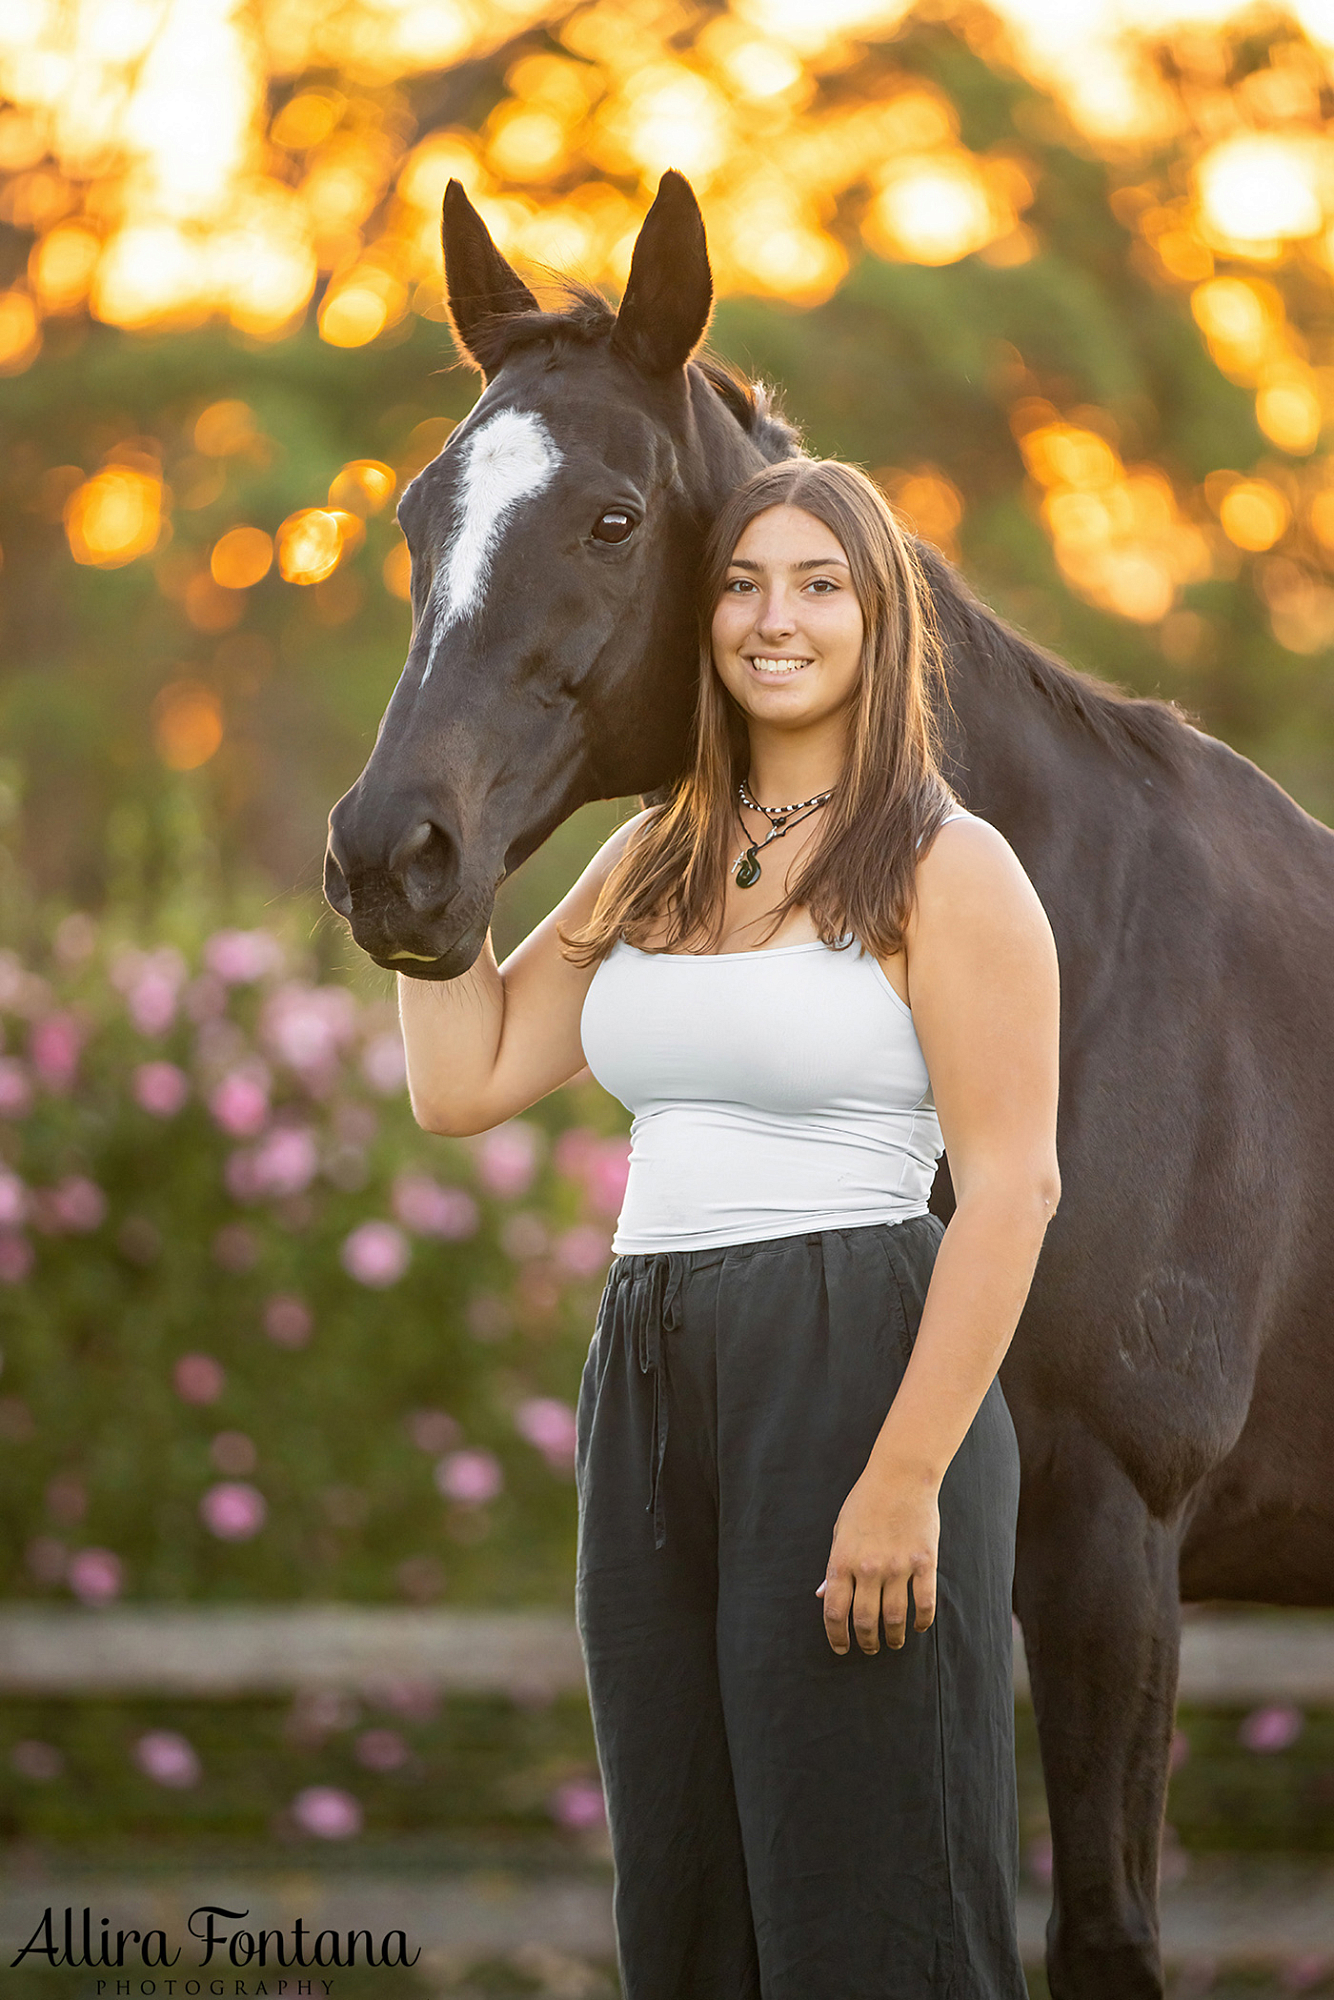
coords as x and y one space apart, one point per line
581 317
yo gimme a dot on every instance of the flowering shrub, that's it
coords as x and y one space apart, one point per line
262 1337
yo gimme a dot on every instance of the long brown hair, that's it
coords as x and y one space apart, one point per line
891 798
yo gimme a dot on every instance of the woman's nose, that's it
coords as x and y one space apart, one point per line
777 618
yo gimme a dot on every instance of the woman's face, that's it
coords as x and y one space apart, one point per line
787 629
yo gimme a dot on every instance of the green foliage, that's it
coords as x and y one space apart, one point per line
135 1238
472 1775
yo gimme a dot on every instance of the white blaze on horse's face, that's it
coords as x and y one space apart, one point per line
509 460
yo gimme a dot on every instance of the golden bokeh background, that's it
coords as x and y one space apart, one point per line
274 172
190 159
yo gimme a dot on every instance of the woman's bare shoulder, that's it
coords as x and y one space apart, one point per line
970 868
578 905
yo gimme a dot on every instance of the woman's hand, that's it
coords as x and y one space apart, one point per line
886 1536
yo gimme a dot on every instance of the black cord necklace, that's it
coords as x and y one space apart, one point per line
746 867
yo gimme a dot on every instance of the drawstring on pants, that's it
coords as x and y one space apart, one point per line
660 1315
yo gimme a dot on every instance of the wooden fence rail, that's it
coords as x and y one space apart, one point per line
224 1651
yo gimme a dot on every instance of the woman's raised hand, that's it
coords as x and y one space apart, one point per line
887 1535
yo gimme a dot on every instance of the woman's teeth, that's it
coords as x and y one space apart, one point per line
778 666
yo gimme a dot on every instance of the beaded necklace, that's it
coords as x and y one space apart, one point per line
746 867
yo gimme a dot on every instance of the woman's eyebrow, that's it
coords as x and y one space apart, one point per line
810 562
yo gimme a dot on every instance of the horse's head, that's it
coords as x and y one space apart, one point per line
554 544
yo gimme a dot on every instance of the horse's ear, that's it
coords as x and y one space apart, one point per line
670 291
482 288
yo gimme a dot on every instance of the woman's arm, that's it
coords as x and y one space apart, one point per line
487 1045
983 983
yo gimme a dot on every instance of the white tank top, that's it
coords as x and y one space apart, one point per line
773 1091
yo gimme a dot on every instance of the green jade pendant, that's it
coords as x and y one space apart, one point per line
746 867
747 864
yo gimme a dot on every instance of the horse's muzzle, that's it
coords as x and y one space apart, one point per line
410 910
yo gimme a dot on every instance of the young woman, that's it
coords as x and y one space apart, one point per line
798 973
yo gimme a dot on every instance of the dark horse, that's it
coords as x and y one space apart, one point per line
1171 1380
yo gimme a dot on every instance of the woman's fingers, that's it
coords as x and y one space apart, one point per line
837 1604
894 1609
924 1596
872 1601
866 1608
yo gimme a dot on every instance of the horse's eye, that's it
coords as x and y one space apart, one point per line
613 526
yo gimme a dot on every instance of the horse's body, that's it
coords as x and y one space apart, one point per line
1169 1380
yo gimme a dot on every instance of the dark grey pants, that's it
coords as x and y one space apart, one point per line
787 1823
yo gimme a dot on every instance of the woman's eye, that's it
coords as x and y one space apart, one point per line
613 526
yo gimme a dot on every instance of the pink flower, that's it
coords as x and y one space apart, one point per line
578 1804
376 1254
432 1430
327 1813
16 1257
47 1559
233 1510
1040 1860
383 1063
160 1087
288 1320
507 1158
77 1205
205 999
234 1452
307 1028
66 1499
198 1378
382 1750
606 1176
550 1425
151 982
54 1048
283 1163
75 939
15 1088
422 1205
471 1477
240 1103
1300 1974
235 1247
1269 1729
168 1759
95 1576
600 1164
415 1701
13 1200
573 1150
524 1236
239 958
583 1250
39 1761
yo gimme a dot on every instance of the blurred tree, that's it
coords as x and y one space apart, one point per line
1094 369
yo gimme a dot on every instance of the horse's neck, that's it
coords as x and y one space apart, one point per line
1069 803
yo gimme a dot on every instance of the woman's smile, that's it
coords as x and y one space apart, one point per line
776 668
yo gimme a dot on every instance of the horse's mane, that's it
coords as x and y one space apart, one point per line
754 406
581 317
1121 721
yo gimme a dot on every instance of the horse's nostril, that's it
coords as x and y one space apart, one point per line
411 846
426 865
336 892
